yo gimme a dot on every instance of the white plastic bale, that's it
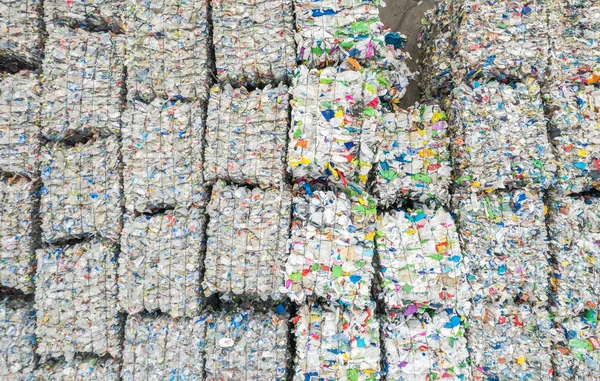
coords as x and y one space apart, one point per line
246 345
18 233
17 339
19 122
574 226
76 300
500 136
413 156
94 15
246 135
82 82
80 368
337 343
426 345
253 41
162 155
167 49
158 348
421 262
247 242
161 262
20 32
503 235
81 193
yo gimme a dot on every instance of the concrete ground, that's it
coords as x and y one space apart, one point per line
404 16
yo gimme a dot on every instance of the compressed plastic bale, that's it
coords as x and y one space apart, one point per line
247 243
426 345
332 244
246 135
574 113
574 226
76 300
158 347
19 233
253 41
162 155
81 192
504 236
420 259
337 343
17 339
82 82
19 122
509 342
93 15
20 33
161 262
80 368
413 156
167 49
245 344
500 136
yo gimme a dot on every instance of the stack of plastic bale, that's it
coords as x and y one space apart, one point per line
19 122
167 49
80 368
337 343
246 344
158 347
76 300
413 155
82 82
95 15
253 41
17 339
19 233
246 135
332 247
247 241
20 34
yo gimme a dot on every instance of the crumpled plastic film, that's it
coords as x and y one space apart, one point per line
20 32
89 368
245 344
253 41
334 124
500 137
247 243
162 154
246 135
76 300
81 195
161 261
167 49
426 345
574 113
158 348
332 244
82 82
19 122
413 158
503 235
574 225
17 339
421 262
93 15
18 233
337 343
510 342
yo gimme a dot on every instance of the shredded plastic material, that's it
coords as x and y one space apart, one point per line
161 261
247 243
17 339
246 135
81 368
337 343
76 300
253 41
81 192
20 33
93 15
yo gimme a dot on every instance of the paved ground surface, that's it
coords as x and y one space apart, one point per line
405 16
